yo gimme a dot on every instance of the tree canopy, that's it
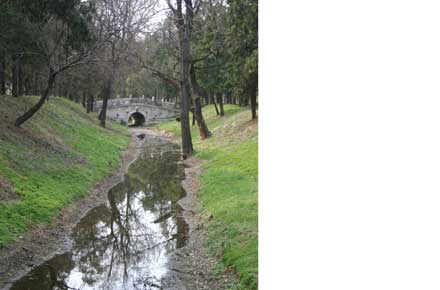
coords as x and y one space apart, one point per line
196 53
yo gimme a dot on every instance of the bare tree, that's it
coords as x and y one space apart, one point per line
119 23
183 23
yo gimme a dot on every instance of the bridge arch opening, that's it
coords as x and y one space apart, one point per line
136 119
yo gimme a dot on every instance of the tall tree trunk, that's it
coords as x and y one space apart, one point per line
23 118
88 105
83 101
254 100
14 76
198 115
3 72
254 105
27 85
106 96
220 102
37 84
185 61
20 78
90 101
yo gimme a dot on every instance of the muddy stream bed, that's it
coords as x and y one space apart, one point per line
126 242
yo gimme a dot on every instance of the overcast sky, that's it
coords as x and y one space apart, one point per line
162 5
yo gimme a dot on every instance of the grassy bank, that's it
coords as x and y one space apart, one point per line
229 188
54 159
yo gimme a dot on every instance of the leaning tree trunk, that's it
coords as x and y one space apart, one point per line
23 118
198 115
216 109
220 102
212 99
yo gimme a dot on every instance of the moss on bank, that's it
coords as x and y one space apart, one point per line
55 158
229 188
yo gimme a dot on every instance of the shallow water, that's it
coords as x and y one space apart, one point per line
125 243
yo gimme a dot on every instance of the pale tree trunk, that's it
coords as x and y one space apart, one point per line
220 102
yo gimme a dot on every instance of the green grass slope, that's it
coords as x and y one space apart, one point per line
55 158
229 188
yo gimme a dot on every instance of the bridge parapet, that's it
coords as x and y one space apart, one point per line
125 102
152 111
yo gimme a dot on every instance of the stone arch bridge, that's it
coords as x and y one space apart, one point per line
138 111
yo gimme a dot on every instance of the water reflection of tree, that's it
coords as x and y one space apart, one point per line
163 189
51 275
114 238
114 241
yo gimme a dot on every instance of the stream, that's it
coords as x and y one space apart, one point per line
124 243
